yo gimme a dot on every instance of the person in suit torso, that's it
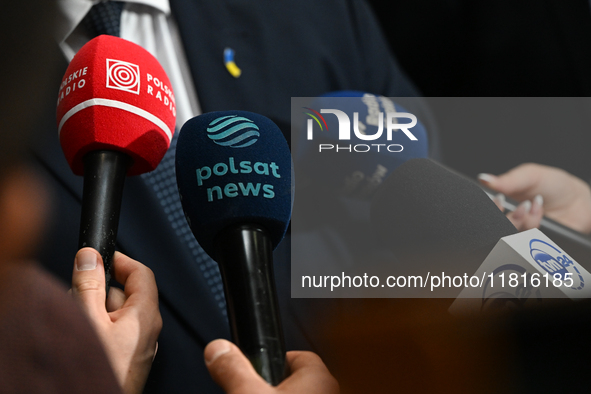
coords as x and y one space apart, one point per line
287 49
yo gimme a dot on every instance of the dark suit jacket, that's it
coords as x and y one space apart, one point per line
285 49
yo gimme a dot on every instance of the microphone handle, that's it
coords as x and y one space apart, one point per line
245 257
104 177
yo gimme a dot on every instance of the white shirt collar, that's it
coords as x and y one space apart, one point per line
162 5
71 13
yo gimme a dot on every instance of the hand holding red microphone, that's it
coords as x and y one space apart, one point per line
116 115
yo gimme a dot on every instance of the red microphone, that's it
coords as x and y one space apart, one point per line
116 114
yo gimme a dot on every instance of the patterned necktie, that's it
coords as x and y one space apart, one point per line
105 18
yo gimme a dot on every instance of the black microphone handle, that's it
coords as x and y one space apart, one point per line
245 257
104 177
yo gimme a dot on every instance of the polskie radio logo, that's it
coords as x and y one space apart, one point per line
369 129
123 75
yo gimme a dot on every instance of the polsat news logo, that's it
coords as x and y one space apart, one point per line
372 141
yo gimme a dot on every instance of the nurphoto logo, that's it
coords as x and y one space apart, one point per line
359 130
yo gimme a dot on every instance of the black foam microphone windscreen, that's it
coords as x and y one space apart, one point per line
430 216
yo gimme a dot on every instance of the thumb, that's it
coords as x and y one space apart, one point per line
88 281
231 370
517 182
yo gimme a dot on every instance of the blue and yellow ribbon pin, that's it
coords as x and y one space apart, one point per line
232 68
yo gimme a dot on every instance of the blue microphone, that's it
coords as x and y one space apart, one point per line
356 168
234 176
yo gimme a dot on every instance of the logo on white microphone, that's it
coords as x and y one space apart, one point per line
555 262
123 76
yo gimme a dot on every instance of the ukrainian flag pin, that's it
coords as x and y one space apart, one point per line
229 62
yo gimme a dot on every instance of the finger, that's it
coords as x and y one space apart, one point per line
534 217
138 280
308 374
518 217
297 360
499 201
231 370
115 300
516 183
88 281
487 179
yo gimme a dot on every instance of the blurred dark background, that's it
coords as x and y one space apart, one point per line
504 48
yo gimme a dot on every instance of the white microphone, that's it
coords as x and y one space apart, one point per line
523 269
